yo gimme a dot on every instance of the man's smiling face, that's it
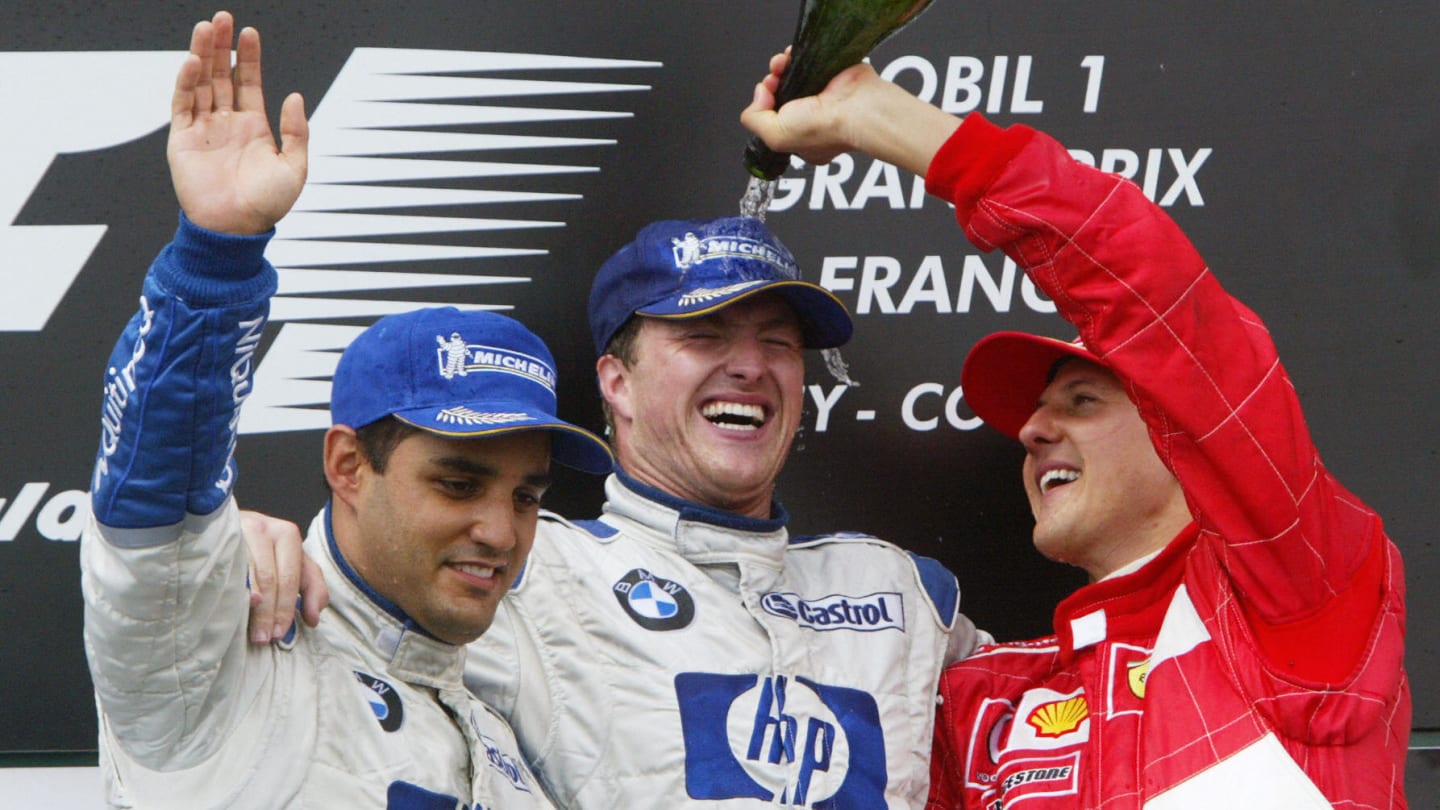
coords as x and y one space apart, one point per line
1100 495
444 530
709 406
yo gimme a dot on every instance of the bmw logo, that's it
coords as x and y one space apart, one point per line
384 701
654 603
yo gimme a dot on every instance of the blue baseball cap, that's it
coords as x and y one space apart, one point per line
462 374
691 268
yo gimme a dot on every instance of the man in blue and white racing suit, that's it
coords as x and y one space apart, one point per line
436 463
683 650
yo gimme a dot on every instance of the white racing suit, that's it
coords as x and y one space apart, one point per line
365 711
673 655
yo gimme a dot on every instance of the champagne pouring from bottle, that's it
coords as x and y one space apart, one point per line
830 36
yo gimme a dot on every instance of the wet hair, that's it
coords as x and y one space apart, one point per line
622 346
622 343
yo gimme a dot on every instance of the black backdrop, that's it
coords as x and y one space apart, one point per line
1297 143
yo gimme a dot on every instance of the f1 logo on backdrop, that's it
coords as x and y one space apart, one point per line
790 741
63 103
384 103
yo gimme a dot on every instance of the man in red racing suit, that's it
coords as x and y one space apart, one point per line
1241 643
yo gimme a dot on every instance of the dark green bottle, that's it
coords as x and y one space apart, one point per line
832 35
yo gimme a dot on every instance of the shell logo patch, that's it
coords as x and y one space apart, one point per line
1059 717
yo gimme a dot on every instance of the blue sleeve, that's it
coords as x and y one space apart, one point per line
941 585
177 378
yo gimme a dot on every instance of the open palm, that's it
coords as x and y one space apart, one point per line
227 172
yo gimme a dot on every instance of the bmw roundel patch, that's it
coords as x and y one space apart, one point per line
654 603
384 701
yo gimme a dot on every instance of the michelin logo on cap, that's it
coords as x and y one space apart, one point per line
692 250
459 359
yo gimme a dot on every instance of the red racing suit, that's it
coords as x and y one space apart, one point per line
1257 662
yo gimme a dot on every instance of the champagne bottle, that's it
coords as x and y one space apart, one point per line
830 36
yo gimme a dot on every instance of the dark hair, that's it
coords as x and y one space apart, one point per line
1056 366
380 438
622 346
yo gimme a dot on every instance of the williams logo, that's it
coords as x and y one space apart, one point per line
878 611
654 603
789 741
507 765
383 701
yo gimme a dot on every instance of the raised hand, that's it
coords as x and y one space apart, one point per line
857 111
227 172
804 126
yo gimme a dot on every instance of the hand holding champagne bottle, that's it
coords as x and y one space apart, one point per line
856 111
830 36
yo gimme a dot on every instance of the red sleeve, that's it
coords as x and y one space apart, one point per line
1203 371
946 773
961 179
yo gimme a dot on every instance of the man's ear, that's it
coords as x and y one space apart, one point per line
614 380
343 462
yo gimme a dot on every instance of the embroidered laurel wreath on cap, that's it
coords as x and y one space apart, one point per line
465 374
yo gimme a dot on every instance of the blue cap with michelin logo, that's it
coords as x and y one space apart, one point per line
690 268
463 374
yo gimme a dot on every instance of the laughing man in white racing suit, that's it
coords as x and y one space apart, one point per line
435 478
683 650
